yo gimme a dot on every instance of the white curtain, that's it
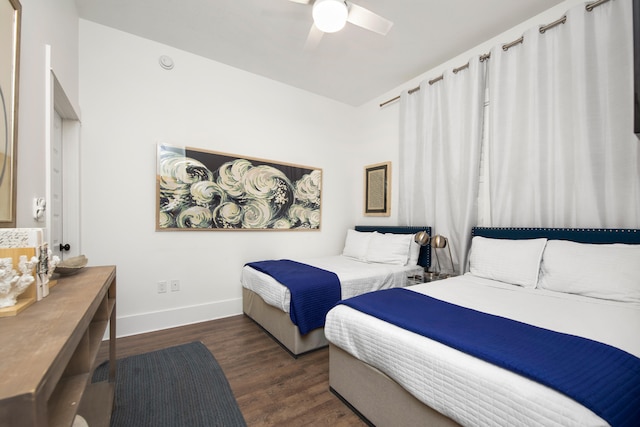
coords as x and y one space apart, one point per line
561 148
440 140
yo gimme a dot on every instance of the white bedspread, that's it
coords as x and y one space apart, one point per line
467 389
356 278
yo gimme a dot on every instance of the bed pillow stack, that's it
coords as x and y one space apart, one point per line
509 261
388 248
384 248
356 244
603 271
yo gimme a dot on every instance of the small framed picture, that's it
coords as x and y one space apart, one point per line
377 189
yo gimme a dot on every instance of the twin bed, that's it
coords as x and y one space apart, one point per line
559 285
373 258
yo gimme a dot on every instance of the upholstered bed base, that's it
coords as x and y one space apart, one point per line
376 397
278 324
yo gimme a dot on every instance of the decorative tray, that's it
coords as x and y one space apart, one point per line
71 266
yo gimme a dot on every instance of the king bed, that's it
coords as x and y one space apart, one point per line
373 258
541 293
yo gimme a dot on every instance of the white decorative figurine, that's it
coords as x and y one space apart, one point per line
45 267
13 284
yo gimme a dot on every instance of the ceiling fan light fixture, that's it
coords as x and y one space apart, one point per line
330 15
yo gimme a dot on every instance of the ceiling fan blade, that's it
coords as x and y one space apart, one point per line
314 37
364 18
302 1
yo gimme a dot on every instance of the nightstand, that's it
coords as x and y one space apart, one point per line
428 277
415 280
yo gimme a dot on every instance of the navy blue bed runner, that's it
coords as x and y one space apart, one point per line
602 378
314 291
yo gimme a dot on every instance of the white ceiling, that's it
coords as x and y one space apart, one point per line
353 66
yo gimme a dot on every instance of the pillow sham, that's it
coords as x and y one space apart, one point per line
388 248
605 271
510 261
356 244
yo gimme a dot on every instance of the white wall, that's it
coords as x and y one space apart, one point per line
43 23
129 104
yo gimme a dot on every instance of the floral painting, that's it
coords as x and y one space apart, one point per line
205 190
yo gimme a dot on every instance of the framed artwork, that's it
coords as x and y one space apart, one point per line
10 14
205 190
377 189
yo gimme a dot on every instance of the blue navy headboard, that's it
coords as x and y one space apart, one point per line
581 235
424 259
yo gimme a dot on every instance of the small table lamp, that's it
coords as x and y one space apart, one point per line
422 238
439 242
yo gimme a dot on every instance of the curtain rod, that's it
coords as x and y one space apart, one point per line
543 28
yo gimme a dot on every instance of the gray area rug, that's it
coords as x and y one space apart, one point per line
173 387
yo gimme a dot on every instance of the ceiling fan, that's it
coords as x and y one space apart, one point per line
330 16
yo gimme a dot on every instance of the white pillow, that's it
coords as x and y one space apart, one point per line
389 248
356 244
414 251
509 261
610 271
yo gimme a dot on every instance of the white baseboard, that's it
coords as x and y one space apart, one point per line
155 321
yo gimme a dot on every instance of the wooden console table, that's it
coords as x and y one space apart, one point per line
48 352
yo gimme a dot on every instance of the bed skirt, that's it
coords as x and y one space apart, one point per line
278 324
375 396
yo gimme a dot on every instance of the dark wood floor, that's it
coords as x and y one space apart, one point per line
271 387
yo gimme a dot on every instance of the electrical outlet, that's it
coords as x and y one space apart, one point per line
175 285
162 286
